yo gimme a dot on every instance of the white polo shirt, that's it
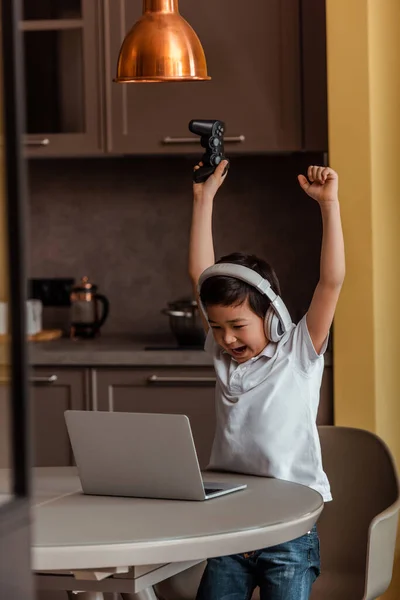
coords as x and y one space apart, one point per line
266 411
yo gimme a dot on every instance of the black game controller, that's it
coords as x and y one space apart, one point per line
212 139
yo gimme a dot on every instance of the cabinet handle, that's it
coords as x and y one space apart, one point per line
236 139
42 142
157 380
43 380
35 380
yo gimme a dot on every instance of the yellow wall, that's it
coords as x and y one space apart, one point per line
384 35
349 142
364 142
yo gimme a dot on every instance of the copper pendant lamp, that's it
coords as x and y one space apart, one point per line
161 46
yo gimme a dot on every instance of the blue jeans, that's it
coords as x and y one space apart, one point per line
283 572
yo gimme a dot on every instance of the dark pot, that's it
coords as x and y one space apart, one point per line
185 322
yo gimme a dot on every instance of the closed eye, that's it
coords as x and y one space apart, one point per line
238 326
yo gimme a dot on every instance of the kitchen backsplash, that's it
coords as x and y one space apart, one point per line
125 222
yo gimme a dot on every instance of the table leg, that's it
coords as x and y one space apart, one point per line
147 594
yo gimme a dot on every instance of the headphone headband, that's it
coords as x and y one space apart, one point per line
239 272
252 278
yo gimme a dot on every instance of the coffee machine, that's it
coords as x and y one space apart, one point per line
86 317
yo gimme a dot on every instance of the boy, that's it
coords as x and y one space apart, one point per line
267 390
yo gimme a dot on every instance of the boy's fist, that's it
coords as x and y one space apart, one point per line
322 184
213 183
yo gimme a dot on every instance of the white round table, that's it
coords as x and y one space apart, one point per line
93 535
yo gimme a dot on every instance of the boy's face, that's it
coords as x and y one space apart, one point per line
238 330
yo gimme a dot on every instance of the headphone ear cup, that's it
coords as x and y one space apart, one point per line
268 322
272 325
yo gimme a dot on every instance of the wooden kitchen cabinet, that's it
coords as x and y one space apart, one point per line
53 391
63 77
267 62
254 58
175 390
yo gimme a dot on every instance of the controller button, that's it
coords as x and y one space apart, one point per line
217 160
216 142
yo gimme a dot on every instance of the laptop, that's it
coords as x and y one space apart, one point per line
139 455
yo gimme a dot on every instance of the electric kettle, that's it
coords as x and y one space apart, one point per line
85 301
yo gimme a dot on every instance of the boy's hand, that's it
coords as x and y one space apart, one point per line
322 184
210 187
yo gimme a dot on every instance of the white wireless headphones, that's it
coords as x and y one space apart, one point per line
277 319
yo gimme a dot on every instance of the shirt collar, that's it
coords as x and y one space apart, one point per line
268 351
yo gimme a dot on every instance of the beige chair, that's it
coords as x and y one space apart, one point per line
357 530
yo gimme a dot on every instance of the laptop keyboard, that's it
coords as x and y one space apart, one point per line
212 490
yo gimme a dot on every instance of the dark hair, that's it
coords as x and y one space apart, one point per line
229 291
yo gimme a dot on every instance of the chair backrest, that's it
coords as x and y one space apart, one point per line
356 553
364 483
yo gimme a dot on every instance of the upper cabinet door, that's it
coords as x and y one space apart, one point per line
62 77
254 59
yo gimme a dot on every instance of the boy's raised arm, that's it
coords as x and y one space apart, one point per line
322 186
201 246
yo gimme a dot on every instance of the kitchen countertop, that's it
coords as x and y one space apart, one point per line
118 351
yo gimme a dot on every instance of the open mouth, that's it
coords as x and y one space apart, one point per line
239 351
